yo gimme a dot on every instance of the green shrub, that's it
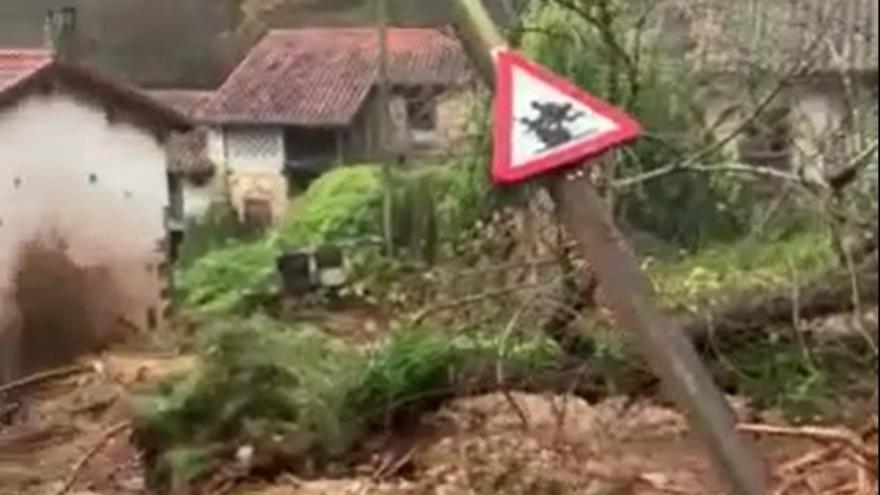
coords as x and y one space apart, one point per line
342 204
414 369
218 229
301 394
257 381
224 280
432 204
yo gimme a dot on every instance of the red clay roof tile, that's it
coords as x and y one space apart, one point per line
18 65
321 76
21 69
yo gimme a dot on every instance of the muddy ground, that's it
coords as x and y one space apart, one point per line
69 435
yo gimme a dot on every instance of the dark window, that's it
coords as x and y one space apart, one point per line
257 214
152 318
766 142
302 143
175 197
421 112
421 106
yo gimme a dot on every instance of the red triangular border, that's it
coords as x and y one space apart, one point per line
502 172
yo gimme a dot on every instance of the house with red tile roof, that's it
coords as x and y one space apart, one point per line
304 100
87 208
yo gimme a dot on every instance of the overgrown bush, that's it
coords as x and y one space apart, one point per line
291 393
223 274
257 381
224 280
342 204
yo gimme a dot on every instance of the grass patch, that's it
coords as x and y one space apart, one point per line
713 274
297 394
825 384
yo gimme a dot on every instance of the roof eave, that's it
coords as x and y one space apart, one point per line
255 121
164 115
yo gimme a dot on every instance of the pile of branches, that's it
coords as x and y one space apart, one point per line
843 463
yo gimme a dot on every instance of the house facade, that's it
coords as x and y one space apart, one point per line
817 58
305 100
87 210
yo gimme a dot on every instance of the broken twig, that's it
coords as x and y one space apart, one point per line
106 437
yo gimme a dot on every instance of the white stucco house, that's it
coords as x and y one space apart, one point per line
84 174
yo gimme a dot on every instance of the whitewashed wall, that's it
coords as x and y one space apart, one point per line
254 163
100 186
198 199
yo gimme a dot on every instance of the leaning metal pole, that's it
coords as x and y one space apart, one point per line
669 352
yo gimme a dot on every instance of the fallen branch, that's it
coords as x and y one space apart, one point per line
843 449
106 437
811 432
826 295
477 298
850 172
45 376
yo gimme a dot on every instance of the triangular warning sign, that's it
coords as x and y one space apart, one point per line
543 122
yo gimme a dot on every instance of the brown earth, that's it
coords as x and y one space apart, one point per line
71 433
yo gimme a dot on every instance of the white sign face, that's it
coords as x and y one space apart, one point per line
546 120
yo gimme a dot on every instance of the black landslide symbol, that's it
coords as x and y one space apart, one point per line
551 126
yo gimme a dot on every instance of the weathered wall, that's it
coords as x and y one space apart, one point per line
454 120
91 192
199 198
817 108
455 115
253 159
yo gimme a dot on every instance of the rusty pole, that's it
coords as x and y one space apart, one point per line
669 352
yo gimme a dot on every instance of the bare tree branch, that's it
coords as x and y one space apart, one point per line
850 172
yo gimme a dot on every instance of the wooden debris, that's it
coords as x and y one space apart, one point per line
105 438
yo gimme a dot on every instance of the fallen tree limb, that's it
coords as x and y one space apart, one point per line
826 295
822 435
45 376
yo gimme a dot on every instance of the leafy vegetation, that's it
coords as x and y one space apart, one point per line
294 392
221 273
343 204
224 280
715 273
219 228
